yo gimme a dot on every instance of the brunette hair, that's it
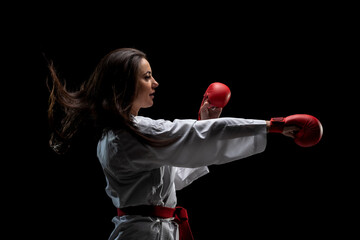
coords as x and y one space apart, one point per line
103 102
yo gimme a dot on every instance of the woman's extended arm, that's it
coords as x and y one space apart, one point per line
207 112
199 143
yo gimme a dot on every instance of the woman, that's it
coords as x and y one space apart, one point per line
145 161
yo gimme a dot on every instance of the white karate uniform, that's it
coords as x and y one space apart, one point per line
138 174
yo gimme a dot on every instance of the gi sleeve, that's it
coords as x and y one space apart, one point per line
199 143
185 176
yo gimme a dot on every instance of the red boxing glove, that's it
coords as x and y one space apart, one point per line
310 132
218 95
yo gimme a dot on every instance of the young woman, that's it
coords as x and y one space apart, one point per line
144 160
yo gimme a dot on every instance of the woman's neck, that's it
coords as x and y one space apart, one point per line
134 111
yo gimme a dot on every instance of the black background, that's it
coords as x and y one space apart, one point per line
276 63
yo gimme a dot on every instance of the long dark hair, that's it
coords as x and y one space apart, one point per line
103 102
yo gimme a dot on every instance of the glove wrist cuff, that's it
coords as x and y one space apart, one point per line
277 125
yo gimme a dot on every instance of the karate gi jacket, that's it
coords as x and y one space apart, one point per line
138 174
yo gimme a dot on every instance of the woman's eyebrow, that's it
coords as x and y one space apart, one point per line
147 72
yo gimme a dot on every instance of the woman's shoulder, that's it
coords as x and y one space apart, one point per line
151 126
161 126
141 121
147 120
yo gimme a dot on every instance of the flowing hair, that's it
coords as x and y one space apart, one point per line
103 102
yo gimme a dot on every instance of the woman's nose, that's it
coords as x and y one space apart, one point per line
155 83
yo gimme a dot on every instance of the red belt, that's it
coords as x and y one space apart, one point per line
179 214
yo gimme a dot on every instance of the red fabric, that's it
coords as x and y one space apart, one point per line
181 218
179 213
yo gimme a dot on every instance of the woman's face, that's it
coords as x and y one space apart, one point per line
145 89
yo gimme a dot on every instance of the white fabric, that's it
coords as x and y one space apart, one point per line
138 174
